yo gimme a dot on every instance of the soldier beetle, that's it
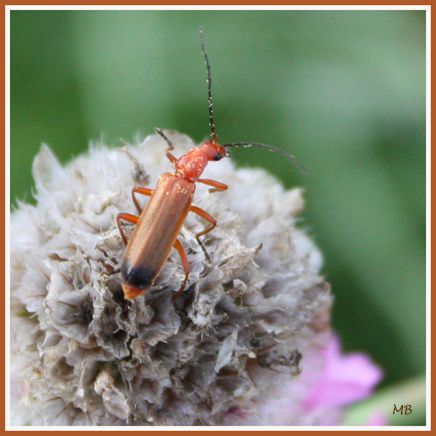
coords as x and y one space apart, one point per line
159 223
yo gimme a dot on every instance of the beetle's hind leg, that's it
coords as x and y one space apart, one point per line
212 222
144 191
125 217
179 247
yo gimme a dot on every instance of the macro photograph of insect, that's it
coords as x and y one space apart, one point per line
217 218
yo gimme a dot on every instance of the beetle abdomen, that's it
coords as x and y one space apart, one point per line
136 279
155 234
140 276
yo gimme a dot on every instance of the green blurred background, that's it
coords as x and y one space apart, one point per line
343 90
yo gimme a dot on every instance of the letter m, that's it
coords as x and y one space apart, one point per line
399 410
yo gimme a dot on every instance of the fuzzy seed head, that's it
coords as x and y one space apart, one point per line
82 354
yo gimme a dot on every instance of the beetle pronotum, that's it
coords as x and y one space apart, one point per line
159 223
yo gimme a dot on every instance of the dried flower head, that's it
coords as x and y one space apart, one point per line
83 355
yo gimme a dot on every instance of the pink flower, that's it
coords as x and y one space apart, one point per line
344 379
329 382
378 419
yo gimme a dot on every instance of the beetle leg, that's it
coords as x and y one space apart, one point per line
170 147
207 217
179 247
125 217
171 157
217 186
144 191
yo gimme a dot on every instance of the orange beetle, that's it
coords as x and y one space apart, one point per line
159 223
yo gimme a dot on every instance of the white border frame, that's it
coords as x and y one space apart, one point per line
8 9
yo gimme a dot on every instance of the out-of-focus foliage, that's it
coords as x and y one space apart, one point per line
344 91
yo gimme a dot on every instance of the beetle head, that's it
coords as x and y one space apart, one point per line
213 150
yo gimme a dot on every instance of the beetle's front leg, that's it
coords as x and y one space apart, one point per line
170 147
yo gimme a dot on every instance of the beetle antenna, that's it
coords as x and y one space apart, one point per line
165 137
283 153
209 86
